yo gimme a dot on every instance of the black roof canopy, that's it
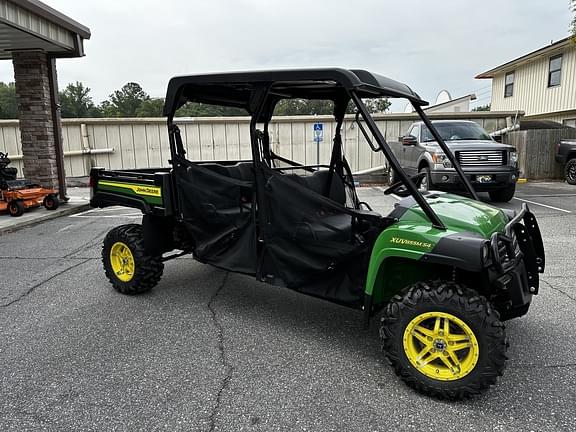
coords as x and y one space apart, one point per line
235 88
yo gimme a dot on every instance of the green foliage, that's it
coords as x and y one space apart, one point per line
325 107
8 107
195 109
573 23
132 101
124 102
75 101
482 108
150 108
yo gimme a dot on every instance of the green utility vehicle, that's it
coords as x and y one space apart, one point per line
443 270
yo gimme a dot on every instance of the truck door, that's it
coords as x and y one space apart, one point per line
411 152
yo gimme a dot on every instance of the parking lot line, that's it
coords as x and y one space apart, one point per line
543 205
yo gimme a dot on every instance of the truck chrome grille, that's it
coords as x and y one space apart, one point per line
480 158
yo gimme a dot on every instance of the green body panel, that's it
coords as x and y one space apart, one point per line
413 236
128 189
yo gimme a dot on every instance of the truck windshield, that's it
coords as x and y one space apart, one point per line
454 131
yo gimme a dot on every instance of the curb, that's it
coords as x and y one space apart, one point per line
522 181
49 216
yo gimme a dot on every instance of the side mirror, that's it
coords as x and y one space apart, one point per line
409 140
497 138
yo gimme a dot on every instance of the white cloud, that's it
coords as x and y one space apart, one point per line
430 45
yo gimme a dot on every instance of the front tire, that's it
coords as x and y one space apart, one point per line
444 340
503 195
570 171
425 183
127 265
16 208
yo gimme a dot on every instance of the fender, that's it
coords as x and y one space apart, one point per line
419 244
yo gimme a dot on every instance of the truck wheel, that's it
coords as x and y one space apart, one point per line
392 177
570 171
126 264
503 195
444 340
51 202
16 208
425 184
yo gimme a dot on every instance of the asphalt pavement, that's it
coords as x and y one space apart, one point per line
206 350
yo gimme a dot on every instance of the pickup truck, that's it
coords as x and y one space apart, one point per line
566 155
490 166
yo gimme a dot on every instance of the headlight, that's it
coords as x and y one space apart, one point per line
512 158
485 252
441 159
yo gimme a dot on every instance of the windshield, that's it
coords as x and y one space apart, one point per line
456 131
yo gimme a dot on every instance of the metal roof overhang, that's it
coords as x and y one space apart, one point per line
27 25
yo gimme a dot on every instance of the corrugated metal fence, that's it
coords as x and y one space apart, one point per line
143 142
536 150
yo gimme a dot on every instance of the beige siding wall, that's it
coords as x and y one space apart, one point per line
531 92
143 143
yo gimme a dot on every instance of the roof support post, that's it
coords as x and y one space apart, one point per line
57 127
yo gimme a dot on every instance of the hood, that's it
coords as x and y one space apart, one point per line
470 145
458 214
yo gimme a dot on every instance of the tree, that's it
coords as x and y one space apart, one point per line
325 107
151 108
196 109
482 108
75 101
573 23
8 107
124 102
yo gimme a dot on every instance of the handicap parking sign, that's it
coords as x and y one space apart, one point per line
318 132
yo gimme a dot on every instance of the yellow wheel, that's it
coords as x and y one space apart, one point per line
444 339
127 264
122 261
441 346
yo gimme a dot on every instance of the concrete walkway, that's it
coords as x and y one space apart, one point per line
79 201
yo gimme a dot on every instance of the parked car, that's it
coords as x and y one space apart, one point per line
444 270
490 166
566 155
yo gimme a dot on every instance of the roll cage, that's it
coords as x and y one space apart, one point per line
259 92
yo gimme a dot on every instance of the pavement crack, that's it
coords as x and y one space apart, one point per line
33 287
228 369
559 290
92 242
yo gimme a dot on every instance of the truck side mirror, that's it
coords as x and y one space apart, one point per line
497 138
409 140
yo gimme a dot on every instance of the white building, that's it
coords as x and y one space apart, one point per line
541 83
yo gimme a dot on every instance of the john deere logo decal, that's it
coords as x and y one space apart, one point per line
152 191
406 242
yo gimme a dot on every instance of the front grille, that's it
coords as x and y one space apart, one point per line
480 158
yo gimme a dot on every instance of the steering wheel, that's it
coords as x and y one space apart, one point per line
417 179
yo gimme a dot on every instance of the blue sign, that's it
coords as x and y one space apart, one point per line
318 132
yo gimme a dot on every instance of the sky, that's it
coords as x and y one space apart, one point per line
429 45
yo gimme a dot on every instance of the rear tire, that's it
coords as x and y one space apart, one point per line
570 171
503 195
16 208
456 360
51 202
126 264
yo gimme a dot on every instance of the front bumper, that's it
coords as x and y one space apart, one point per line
518 258
449 179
